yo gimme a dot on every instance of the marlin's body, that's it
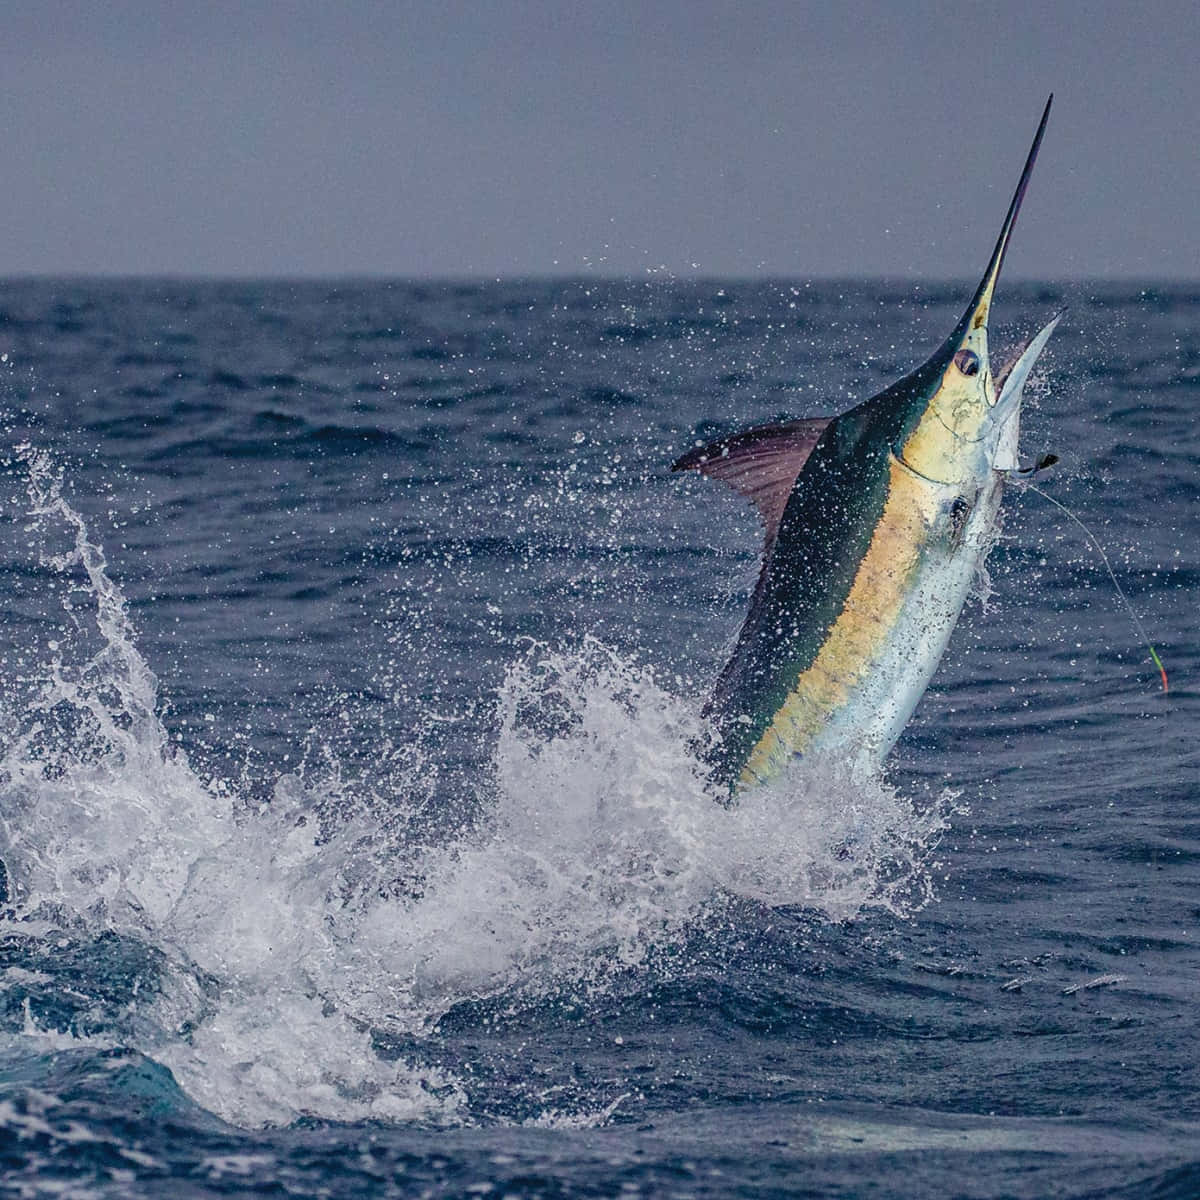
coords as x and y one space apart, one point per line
876 524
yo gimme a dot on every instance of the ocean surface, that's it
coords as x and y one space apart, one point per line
354 641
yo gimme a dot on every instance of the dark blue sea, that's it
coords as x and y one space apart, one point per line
354 641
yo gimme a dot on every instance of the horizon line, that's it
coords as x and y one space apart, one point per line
645 277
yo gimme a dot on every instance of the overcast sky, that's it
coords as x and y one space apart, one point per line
494 138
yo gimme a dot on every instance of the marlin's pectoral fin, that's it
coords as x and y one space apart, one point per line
761 463
960 514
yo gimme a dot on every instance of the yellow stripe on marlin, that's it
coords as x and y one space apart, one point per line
876 523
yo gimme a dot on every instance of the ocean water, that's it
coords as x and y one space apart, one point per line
354 641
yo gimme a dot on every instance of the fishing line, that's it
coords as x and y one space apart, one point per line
1137 623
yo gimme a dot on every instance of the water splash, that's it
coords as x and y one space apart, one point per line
85 744
293 930
106 827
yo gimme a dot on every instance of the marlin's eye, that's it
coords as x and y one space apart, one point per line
967 361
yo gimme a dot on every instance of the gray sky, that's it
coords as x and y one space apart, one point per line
794 139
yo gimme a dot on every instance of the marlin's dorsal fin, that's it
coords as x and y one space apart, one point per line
760 464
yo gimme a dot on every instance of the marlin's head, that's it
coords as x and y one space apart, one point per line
953 417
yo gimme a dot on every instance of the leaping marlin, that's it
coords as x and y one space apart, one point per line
876 523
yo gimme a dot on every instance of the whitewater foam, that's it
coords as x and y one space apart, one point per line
293 930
